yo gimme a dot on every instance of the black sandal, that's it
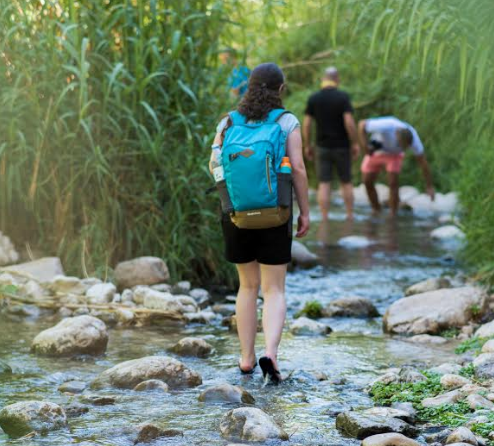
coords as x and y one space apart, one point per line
268 369
247 372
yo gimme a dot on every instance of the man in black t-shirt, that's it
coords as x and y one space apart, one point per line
337 140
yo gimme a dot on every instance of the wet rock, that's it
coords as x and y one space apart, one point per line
224 309
355 242
484 366
407 375
446 368
73 387
304 326
25 311
156 300
75 410
5 369
152 384
434 311
476 401
127 296
320 376
67 285
64 312
486 330
34 290
449 381
81 335
446 398
408 408
360 426
302 256
147 433
22 418
361 198
182 287
192 347
390 439
469 389
81 311
231 323
100 400
8 254
250 424
101 293
462 435
128 374
488 347
425 286
108 317
141 271
124 316
201 296
387 378
428 339
389 412
448 232
353 306
226 393
407 193
43 270
202 317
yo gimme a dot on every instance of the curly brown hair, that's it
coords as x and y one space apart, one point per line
263 94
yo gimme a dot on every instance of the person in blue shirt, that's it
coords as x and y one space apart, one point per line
239 77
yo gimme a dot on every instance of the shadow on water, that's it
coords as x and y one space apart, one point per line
393 255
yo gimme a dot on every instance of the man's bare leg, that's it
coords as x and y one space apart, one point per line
370 185
394 192
347 192
324 199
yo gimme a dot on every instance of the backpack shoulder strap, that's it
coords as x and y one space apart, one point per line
275 115
237 118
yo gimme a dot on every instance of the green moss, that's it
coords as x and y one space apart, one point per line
450 333
468 371
312 309
8 290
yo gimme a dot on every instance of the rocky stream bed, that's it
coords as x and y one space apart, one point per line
142 360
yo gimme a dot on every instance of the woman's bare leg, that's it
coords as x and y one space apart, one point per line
274 309
246 312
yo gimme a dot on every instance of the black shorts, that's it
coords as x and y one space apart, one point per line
272 246
328 159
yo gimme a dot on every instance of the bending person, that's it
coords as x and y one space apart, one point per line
261 255
336 132
386 140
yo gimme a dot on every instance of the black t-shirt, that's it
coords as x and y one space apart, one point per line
327 107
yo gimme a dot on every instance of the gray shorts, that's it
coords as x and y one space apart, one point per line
328 160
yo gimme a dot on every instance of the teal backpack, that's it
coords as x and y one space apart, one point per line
254 192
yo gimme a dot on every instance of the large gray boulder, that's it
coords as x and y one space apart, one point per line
129 374
359 425
250 424
302 257
80 335
435 311
101 293
22 418
303 326
226 393
433 284
353 306
141 271
43 270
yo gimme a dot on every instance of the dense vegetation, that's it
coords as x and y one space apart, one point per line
108 109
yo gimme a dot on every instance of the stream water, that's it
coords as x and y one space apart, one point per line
401 253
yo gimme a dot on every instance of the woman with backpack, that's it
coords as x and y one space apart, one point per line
255 141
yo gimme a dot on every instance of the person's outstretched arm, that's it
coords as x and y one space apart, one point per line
300 183
306 130
426 171
351 130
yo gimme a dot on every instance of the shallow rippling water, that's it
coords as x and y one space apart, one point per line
400 253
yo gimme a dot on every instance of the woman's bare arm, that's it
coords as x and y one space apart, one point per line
300 183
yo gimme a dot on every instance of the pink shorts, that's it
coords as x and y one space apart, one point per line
375 163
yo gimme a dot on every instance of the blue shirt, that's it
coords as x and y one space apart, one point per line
239 78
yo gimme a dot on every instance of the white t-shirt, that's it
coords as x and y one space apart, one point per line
288 123
384 130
